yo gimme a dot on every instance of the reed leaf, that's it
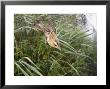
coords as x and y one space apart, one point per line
32 68
23 71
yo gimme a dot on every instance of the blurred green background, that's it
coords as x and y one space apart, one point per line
32 57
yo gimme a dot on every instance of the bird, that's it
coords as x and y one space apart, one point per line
52 39
50 35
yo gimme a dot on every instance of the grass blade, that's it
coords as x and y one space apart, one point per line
27 58
32 68
74 69
21 69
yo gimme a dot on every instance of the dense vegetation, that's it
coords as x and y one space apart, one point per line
32 57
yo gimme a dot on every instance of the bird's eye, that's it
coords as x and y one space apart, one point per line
55 45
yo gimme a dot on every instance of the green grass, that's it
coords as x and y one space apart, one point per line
32 57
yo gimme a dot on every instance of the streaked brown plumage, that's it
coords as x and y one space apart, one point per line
52 39
50 35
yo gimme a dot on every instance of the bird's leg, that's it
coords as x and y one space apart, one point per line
46 41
